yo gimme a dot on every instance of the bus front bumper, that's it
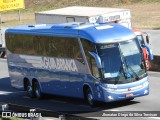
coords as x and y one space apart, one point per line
128 93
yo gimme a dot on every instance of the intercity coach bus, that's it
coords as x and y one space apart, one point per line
91 61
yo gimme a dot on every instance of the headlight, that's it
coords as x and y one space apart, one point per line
108 89
145 84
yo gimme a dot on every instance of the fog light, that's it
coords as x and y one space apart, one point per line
146 91
110 97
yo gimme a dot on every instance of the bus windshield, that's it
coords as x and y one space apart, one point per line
121 62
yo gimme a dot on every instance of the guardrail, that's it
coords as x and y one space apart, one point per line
13 110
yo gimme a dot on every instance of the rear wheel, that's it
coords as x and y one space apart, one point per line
29 90
37 90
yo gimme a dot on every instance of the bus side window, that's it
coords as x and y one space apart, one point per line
74 50
94 68
89 46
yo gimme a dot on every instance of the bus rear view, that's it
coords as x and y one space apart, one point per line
94 62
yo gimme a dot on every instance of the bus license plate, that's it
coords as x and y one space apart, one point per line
129 95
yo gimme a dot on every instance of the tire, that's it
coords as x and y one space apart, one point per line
89 98
29 90
2 54
37 90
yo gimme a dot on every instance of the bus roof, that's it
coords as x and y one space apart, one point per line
97 33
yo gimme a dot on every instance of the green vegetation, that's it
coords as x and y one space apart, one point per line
13 118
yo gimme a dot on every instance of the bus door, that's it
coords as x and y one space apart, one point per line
95 66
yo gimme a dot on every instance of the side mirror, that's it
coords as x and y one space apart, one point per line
97 58
149 51
147 39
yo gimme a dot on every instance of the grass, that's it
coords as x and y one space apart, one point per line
13 118
145 14
150 1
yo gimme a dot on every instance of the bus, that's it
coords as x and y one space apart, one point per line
90 61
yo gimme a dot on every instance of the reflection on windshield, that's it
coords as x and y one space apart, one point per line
121 62
111 60
131 54
140 39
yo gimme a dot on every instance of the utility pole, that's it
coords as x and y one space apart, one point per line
0 27
19 15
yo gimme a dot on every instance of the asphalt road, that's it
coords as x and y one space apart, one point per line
154 40
11 95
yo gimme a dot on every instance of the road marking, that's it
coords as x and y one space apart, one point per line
6 92
114 110
158 118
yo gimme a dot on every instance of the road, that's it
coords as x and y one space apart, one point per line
151 102
155 40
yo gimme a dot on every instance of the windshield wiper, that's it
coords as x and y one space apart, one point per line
128 66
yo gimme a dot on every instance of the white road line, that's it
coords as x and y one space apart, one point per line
157 118
6 92
114 110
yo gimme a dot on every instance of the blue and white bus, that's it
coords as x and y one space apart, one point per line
95 62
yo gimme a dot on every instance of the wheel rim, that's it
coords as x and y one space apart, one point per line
29 90
37 90
90 98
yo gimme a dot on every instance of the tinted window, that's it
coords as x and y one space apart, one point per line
89 46
44 46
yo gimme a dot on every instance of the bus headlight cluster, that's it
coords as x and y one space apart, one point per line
109 89
145 84
146 91
110 97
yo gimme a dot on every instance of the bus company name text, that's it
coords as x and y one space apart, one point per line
59 64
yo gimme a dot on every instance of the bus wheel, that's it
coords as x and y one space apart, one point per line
2 54
89 97
29 90
37 90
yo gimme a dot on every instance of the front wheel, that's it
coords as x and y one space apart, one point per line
89 97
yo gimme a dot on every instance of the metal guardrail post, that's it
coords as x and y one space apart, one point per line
32 111
4 107
62 117
5 114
